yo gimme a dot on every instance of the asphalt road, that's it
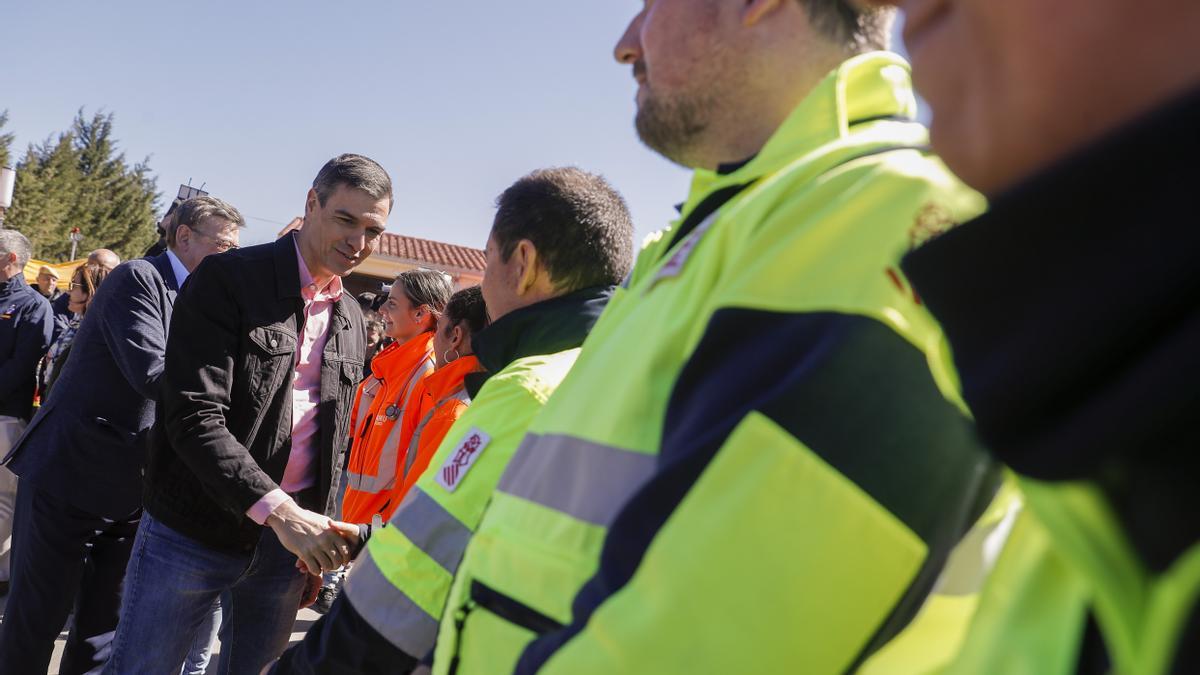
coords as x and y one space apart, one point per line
304 619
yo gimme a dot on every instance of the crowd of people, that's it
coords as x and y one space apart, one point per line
856 409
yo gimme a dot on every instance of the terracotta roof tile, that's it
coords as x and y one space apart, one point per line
435 253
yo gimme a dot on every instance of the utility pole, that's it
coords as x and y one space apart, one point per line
75 236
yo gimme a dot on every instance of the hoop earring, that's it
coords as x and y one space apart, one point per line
446 356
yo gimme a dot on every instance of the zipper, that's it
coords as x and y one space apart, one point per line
509 609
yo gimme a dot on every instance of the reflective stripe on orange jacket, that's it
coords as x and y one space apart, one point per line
385 402
443 399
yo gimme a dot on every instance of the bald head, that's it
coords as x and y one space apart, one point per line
104 258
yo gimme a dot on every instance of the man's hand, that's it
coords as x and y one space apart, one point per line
312 537
311 588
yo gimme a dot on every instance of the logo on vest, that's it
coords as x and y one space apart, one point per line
674 266
452 473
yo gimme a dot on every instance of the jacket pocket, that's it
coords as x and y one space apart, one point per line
273 349
507 610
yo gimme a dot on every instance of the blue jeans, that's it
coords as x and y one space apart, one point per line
200 653
171 585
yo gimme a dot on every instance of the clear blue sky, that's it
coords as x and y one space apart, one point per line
455 100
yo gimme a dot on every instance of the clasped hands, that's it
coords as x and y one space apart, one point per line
320 543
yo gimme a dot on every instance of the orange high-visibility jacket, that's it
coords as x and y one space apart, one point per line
379 433
443 399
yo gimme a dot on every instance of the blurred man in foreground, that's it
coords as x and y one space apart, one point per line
758 463
1073 308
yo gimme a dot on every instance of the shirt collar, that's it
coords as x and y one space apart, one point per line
181 272
308 288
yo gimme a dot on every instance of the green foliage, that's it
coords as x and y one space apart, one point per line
80 180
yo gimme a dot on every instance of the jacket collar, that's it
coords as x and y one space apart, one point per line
1073 308
868 87
162 263
402 357
447 379
13 285
287 266
546 327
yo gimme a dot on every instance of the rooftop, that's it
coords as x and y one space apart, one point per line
419 250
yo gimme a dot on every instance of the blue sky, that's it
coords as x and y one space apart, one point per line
455 100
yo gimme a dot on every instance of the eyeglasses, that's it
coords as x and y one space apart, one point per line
222 245
75 284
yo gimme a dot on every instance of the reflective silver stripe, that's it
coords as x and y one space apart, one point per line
432 529
385 471
382 480
586 480
364 402
389 611
411 456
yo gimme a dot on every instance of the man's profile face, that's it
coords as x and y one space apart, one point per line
339 234
499 281
210 235
1016 84
680 65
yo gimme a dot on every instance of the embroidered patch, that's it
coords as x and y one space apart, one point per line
452 473
675 265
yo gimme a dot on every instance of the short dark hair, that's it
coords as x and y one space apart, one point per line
426 287
354 171
196 209
467 306
578 223
853 26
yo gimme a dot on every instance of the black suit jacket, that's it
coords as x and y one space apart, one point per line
86 445
223 433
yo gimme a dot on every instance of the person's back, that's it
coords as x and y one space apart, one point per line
758 463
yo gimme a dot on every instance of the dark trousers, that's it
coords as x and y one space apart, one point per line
62 558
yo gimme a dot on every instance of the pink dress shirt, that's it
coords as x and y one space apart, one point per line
301 469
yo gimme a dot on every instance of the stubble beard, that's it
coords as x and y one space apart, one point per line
675 127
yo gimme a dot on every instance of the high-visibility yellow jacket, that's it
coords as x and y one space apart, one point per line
759 463
382 423
398 585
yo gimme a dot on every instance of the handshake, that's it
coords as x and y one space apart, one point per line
321 544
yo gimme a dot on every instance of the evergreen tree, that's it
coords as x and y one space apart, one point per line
80 180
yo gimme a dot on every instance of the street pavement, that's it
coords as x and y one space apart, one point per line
304 619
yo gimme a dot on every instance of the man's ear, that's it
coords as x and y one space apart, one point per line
528 264
311 202
754 11
457 334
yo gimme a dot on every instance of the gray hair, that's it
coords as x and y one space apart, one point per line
354 171
851 26
196 209
12 241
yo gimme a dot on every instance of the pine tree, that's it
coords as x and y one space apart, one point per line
80 180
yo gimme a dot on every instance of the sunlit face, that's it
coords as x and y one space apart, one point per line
402 320
78 297
339 234
210 235
1016 84
681 64
46 281
499 285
